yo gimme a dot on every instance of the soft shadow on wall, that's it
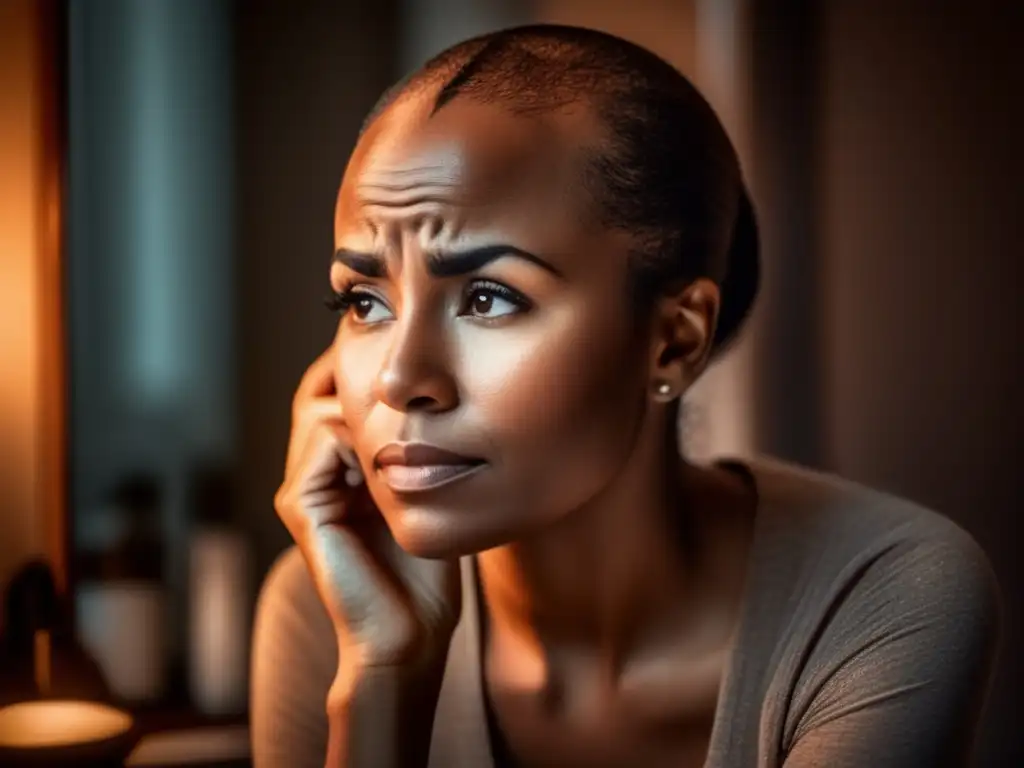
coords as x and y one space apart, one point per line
889 166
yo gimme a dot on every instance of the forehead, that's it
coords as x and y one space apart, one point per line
469 155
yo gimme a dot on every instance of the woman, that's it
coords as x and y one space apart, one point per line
542 240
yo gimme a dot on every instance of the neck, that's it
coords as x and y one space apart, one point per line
612 570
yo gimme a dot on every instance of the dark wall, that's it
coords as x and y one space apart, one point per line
922 161
306 75
785 116
890 166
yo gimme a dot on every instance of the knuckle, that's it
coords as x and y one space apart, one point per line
285 509
281 505
289 511
322 436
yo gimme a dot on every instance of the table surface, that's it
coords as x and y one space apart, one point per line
201 746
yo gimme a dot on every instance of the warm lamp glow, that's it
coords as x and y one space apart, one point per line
38 724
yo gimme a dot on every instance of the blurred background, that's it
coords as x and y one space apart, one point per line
168 177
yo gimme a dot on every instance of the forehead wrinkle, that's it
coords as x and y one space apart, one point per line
441 156
420 235
400 169
435 218
463 172
412 157
408 182
398 179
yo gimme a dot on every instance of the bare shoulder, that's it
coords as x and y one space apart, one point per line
287 575
291 623
288 602
294 658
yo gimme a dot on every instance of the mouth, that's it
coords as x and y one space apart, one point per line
417 467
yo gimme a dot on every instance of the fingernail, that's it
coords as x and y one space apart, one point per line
353 477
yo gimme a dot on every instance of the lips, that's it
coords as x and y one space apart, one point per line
415 467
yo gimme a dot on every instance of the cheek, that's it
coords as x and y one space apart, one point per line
563 387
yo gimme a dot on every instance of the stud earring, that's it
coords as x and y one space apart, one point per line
664 389
353 477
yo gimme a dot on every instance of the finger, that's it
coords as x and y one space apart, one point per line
353 471
433 585
366 608
324 468
318 380
320 474
332 526
312 413
308 418
313 491
322 407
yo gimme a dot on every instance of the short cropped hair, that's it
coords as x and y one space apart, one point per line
666 172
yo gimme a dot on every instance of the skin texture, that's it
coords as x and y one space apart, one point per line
516 388
602 555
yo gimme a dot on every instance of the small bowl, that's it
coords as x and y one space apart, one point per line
65 733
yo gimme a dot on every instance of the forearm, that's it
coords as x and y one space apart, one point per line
382 717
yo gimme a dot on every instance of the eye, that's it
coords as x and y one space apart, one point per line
365 307
490 301
369 309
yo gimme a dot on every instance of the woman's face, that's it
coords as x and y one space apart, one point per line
490 379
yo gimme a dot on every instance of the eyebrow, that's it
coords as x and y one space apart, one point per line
446 264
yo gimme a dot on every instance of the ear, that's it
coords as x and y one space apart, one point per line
684 329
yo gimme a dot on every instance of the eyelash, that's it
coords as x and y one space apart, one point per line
340 301
343 300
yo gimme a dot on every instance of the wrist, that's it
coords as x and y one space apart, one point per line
422 653
382 716
416 680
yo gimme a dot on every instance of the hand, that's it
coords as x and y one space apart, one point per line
389 609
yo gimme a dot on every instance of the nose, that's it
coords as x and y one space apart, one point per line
416 375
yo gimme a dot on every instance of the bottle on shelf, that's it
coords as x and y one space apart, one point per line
220 586
120 596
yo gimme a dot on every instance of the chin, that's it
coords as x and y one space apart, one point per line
440 534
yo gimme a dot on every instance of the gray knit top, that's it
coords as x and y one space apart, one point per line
866 639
